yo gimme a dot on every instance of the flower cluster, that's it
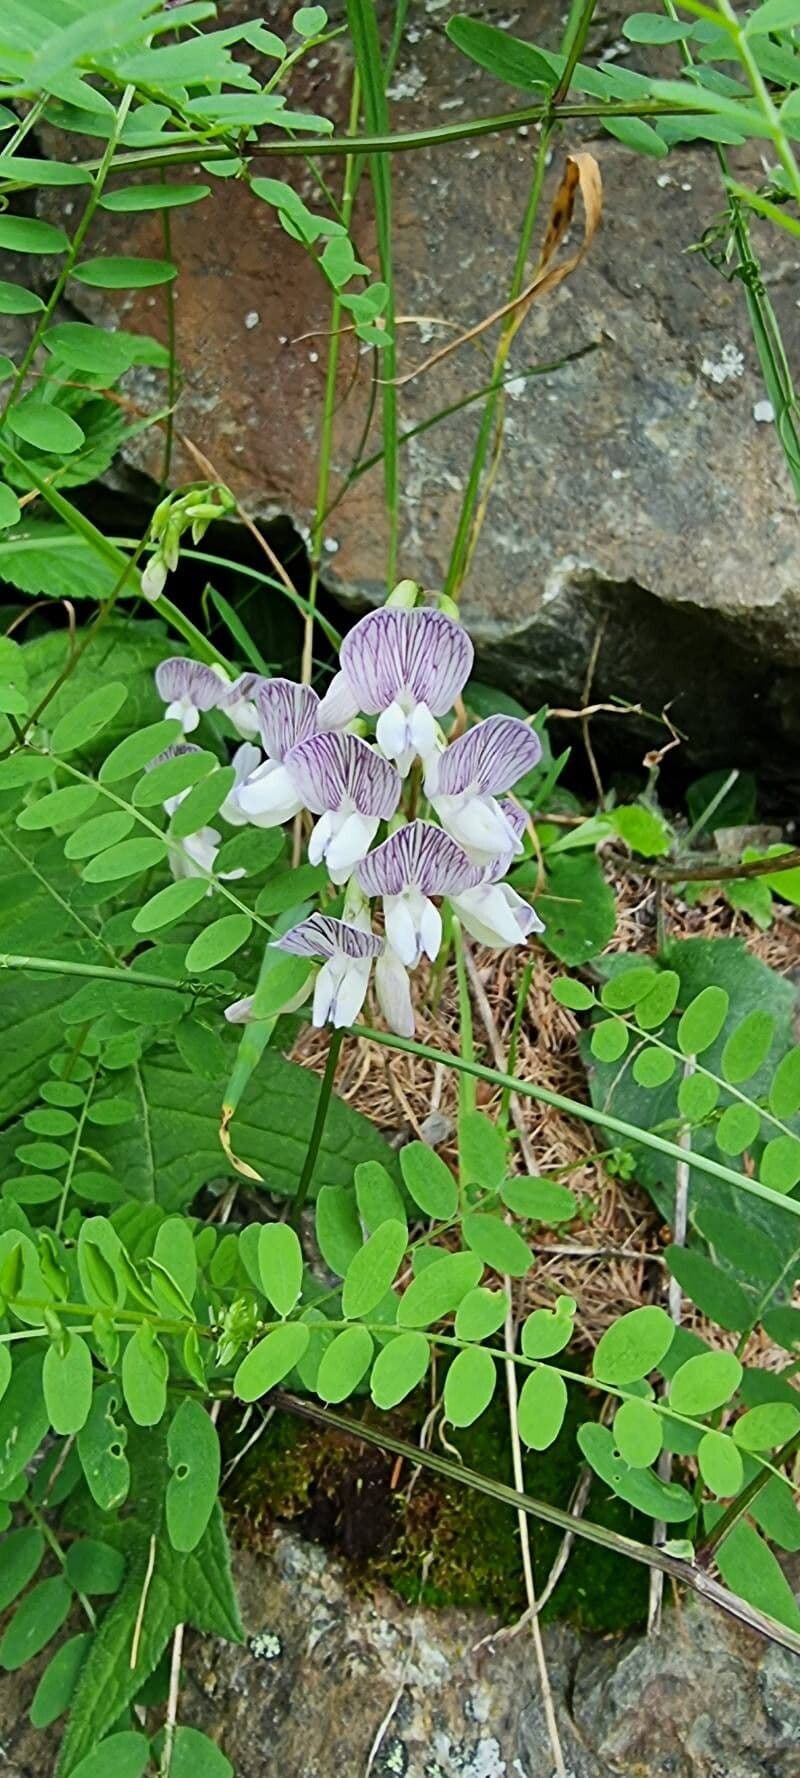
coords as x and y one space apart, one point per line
403 666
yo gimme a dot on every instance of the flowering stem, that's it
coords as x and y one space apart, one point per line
315 1139
466 1085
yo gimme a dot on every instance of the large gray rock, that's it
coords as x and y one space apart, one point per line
329 1677
637 488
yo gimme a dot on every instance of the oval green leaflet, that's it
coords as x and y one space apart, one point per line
37 1619
628 988
541 1409
399 1368
738 1128
439 1289
194 1458
338 1229
540 1200
572 994
202 803
784 1093
87 719
126 859
125 1754
481 1151
67 1383
271 1360
498 1245
765 1427
481 1313
659 1002
637 1433
780 1164
170 904
54 1692
653 1067
373 1270
145 1368
720 1464
609 1040
45 426
429 1181
697 1097
93 1566
101 1449
748 1046
59 806
704 1383
195 1755
21 1554
701 1023
641 1488
217 942
344 1363
469 1385
280 1265
633 1346
378 1198
137 750
548 1331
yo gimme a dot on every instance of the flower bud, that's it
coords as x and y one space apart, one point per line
448 606
404 595
154 578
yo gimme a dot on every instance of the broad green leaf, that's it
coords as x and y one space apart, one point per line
540 1200
372 1271
170 904
344 1363
67 1383
44 426
38 1618
741 1242
54 1692
641 828
217 942
25 170
748 1046
429 1181
144 1377
783 1326
714 1291
497 1244
101 1449
481 1151
609 1040
399 1368
634 133
194 1458
174 1249
508 58
25 234
697 1097
170 777
738 1128
280 1265
542 1406
649 27
21 1554
439 1289
780 1164
137 750
480 1313
701 1023
773 15
309 20
59 806
378 1197
641 1488
116 272
194 1755
127 859
572 994
94 1567
89 348
764 1428
271 1360
125 1754
578 907
10 510
705 1382
720 1464
87 719
15 300
202 803
633 1346
469 1385
660 1003
637 1433
289 887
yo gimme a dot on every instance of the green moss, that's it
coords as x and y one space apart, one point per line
441 1543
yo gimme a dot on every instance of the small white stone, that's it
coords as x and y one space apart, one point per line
663 179
252 319
313 357
331 545
763 412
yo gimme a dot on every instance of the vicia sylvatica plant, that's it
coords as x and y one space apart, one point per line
199 856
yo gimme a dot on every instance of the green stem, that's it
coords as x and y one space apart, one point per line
99 971
325 1091
466 1085
516 1026
762 95
172 372
76 1147
588 1113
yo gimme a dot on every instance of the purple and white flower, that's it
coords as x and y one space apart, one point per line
347 949
416 862
247 762
393 989
493 912
238 704
188 689
464 783
406 668
351 788
287 714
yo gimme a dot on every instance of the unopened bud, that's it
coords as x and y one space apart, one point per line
405 595
154 578
448 606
